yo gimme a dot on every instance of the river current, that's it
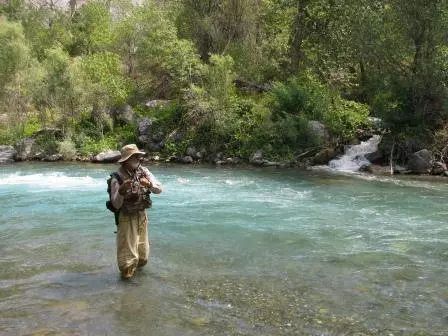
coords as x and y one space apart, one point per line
234 252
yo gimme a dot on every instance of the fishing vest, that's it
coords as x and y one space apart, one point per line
138 197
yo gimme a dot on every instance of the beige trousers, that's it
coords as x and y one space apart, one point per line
132 241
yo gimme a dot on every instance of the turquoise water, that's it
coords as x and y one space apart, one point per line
234 252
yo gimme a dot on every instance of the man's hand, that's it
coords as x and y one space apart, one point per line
144 182
125 187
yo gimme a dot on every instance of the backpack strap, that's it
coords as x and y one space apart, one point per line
119 179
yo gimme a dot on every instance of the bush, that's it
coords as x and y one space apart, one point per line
304 98
346 117
67 149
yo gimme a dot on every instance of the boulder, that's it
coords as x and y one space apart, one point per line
257 158
186 159
420 162
366 168
324 156
7 154
142 140
271 164
155 146
25 149
157 103
52 158
438 168
197 156
107 157
123 114
191 151
376 157
319 129
158 137
144 125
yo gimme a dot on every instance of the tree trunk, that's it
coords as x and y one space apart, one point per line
299 32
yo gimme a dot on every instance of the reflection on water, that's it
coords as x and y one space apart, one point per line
235 252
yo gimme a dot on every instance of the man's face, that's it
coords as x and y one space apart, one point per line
133 162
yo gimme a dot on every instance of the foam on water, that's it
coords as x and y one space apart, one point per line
53 180
354 157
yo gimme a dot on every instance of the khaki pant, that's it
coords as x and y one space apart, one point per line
132 241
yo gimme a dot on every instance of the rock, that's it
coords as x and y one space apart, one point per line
123 114
319 129
420 162
142 140
155 146
52 158
270 164
364 135
191 151
366 168
158 137
438 168
38 156
197 156
25 149
143 126
257 158
187 159
157 103
107 157
7 154
324 156
375 157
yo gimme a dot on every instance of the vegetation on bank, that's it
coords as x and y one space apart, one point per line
240 75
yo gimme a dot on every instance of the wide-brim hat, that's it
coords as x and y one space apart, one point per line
129 150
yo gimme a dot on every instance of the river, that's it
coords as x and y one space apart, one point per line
234 252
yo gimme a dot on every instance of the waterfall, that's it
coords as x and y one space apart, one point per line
354 156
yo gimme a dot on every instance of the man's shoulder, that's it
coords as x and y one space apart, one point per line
146 170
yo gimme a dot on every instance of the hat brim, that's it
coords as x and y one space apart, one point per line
123 159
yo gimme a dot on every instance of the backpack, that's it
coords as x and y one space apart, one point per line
109 204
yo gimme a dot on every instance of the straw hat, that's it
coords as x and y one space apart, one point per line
129 150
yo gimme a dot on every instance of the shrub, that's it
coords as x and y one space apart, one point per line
67 149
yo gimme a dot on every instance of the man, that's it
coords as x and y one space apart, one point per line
132 199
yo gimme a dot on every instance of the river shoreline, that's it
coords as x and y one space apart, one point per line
377 170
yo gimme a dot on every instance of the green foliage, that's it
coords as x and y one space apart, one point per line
346 117
67 149
92 29
68 68
31 126
47 143
14 53
304 96
160 63
105 80
212 102
88 146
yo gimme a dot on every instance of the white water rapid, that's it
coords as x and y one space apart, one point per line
354 156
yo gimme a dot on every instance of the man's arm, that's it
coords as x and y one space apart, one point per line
155 185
